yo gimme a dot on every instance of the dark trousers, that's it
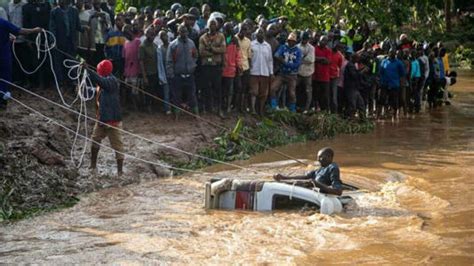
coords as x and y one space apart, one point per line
415 101
372 96
99 53
67 51
183 91
355 102
333 102
211 82
227 91
6 74
304 92
322 90
241 89
152 88
24 54
118 65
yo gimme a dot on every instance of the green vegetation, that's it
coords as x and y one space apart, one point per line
464 57
280 128
8 213
423 18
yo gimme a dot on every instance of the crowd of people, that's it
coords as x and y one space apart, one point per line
205 63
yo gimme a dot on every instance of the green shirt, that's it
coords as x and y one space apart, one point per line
147 54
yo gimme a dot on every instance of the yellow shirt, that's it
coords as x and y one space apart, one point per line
246 52
446 63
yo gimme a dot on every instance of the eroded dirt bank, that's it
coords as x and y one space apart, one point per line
36 166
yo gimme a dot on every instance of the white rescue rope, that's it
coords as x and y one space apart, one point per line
45 42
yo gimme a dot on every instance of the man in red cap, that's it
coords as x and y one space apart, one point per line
108 112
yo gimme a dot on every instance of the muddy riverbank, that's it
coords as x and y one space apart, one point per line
38 159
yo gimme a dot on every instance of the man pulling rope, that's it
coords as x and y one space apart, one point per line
7 28
108 112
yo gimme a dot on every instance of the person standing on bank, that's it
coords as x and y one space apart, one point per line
321 76
108 112
148 57
181 58
290 57
306 70
261 71
7 28
212 48
326 178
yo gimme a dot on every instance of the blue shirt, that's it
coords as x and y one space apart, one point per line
441 67
6 28
328 176
292 58
415 69
114 41
201 23
391 70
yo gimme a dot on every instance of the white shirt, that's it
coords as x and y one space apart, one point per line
262 59
307 63
15 15
425 61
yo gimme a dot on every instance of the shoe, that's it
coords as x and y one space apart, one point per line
168 112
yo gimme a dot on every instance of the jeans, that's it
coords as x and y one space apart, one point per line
290 80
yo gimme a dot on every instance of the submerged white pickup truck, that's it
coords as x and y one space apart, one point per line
257 195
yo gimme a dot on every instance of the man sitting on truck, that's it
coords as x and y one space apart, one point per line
326 178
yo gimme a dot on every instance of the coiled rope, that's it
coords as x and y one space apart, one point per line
45 42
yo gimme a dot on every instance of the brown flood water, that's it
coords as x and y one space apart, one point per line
418 208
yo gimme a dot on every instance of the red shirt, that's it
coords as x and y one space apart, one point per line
321 71
336 64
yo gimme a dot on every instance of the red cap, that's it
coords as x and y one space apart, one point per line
104 68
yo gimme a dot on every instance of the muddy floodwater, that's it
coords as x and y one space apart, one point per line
417 206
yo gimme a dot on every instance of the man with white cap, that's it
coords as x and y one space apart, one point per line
290 57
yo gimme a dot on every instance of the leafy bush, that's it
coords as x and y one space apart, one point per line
463 56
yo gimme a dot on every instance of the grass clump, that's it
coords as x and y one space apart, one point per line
278 129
